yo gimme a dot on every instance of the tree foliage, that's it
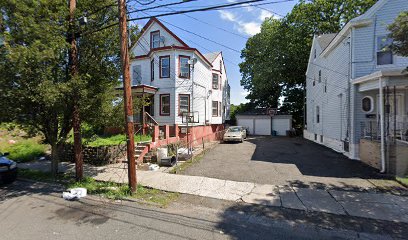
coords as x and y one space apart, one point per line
399 32
35 84
275 60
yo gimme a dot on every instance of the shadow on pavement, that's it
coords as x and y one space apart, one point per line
310 158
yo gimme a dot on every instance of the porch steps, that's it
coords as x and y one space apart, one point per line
139 149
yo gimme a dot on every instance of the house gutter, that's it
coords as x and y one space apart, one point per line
380 81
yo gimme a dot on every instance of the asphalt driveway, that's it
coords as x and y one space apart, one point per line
287 161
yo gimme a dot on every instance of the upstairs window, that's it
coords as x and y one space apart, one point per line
220 66
215 81
152 70
317 114
155 39
320 76
325 84
165 104
314 80
219 109
184 103
184 67
384 53
367 104
215 109
315 54
136 75
165 67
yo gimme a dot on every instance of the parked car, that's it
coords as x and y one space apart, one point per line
235 134
8 169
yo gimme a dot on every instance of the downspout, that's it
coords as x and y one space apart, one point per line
382 125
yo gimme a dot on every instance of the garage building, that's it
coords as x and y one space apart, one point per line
261 123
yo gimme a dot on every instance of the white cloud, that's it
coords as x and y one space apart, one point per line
244 93
250 28
265 14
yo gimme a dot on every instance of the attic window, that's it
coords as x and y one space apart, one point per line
155 39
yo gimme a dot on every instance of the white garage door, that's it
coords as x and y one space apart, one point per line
249 123
263 127
281 126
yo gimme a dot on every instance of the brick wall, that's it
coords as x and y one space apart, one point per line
370 153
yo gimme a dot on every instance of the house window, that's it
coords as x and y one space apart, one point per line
314 80
325 84
220 66
165 67
321 138
165 104
317 114
219 109
136 75
215 109
184 103
155 39
384 53
152 70
315 54
367 104
220 82
184 67
215 81
320 76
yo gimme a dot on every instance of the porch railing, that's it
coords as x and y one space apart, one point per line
393 130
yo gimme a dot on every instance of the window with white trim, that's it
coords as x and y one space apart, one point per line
317 114
384 53
367 104
215 108
215 80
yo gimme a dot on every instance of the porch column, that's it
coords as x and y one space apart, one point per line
143 117
155 136
382 125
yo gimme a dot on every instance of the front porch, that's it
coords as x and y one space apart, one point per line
382 108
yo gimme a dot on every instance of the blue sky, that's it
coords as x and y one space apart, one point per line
243 22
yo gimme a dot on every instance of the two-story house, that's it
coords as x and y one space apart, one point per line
182 83
357 90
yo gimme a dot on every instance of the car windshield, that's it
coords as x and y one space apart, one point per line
234 129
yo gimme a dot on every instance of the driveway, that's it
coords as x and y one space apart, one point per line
288 161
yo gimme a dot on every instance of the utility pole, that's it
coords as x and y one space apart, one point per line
127 95
76 120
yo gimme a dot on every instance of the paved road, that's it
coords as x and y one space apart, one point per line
36 211
286 161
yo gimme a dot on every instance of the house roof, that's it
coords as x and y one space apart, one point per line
211 56
325 39
184 47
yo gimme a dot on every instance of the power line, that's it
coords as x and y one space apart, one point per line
163 5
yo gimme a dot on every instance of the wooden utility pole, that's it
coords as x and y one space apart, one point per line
76 120
127 95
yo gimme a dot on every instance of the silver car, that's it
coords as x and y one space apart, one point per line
235 134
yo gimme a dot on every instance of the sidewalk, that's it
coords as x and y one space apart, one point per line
379 206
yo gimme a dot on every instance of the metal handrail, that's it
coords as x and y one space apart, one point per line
154 121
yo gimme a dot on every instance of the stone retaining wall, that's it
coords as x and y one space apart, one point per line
95 155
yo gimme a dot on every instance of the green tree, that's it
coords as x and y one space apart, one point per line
275 60
35 85
399 32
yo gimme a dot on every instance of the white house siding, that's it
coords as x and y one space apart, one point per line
175 85
333 102
333 108
219 95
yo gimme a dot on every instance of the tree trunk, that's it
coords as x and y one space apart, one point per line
54 160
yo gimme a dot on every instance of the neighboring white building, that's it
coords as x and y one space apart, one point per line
161 66
346 84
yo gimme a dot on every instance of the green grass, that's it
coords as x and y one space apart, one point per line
98 141
183 166
403 180
41 176
25 150
121 191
